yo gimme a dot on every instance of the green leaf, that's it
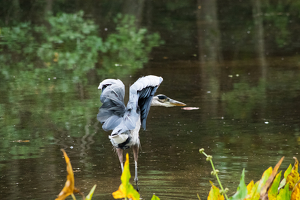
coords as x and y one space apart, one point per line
241 190
268 184
155 197
273 191
255 192
264 178
284 193
90 195
126 190
126 172
286 173
132 193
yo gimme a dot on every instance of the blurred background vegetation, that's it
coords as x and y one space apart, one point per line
54 56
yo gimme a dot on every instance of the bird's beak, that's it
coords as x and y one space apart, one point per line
176 103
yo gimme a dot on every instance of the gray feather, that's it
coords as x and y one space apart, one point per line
112 122
113 113
141 94
113 107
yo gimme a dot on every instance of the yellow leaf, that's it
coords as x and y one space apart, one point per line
253 194
296 192
126 190
250 186
120 193
293 177
214 193
255 191
69 188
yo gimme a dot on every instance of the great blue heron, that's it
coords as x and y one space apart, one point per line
125 121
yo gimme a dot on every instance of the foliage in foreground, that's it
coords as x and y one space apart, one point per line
125 190
69 188
268 187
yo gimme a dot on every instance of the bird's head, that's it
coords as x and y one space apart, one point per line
163 100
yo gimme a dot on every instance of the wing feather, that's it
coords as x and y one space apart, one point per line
141 94
113 107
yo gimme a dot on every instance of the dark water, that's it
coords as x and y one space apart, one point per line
237 61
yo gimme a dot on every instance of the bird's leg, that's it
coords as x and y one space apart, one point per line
120 155
135 149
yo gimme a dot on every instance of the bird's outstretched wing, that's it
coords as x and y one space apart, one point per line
141 94
113 107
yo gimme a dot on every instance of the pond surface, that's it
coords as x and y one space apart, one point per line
237 61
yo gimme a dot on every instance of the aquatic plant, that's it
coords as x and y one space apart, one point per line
69 188
268 187
126 190
215 191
